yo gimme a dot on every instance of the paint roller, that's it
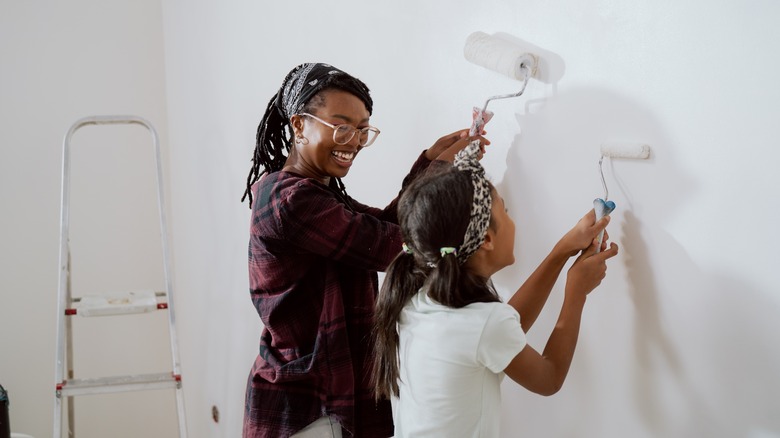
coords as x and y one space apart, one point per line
502 56
603 207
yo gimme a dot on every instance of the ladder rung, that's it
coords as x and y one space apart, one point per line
117 303
105 385
158 294
74 311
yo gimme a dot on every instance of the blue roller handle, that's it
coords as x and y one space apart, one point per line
602 208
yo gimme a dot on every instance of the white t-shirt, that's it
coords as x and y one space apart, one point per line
451 367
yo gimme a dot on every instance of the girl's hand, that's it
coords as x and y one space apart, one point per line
581 236
589 269
446 147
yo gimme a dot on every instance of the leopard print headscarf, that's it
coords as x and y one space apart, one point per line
467 160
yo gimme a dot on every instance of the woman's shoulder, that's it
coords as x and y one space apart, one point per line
287 185
282 177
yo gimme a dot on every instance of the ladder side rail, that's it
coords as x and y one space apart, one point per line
63 287
166 253
168 278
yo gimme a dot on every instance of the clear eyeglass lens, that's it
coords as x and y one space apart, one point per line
344 133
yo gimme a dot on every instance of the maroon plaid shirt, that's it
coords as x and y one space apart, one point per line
313 266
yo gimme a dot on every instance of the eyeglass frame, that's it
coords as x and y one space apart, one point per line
353 130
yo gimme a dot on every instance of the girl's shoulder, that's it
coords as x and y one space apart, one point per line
421 302
493 310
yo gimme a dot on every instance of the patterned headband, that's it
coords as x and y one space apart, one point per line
467 160
308 79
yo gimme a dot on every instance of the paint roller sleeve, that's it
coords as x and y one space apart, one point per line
500 55
621 150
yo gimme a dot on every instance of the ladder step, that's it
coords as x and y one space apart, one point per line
105 385
117 303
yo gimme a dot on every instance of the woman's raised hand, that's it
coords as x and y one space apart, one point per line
446 147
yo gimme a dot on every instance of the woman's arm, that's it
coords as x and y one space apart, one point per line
443 151
389 213
311 219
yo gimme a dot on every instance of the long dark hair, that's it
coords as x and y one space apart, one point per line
433 212
274 133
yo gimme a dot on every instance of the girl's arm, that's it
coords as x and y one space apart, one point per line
545 373
531 297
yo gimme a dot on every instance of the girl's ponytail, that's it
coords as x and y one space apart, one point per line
444 279
401 283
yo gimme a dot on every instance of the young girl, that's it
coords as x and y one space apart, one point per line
314 253
444 338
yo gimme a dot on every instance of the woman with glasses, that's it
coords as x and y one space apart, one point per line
314 253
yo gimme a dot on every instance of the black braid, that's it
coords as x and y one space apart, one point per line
337 184
273 145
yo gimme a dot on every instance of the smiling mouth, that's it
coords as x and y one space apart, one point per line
344 157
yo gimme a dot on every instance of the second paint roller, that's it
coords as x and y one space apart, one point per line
603 206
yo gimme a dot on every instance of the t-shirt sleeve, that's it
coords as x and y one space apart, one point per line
502 338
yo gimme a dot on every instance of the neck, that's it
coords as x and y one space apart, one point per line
479 265
301 169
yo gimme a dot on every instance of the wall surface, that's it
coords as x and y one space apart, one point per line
681 338
61 61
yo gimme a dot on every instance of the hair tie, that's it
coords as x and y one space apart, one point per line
406 248
448 250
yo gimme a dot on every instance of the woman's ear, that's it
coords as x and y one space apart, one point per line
296 121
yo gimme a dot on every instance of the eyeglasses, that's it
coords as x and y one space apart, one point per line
343 134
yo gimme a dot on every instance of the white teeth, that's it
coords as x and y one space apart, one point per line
347 156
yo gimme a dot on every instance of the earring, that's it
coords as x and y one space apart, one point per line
300 139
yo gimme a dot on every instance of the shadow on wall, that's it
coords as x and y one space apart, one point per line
666 349
724 330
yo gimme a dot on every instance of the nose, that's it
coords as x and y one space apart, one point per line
355 140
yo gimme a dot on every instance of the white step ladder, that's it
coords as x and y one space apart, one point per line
110 304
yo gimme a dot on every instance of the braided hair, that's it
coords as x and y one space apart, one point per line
300 92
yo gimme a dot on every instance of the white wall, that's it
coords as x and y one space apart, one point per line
680 340
61 61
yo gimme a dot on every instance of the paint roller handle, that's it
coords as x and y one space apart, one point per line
447 146
602 209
